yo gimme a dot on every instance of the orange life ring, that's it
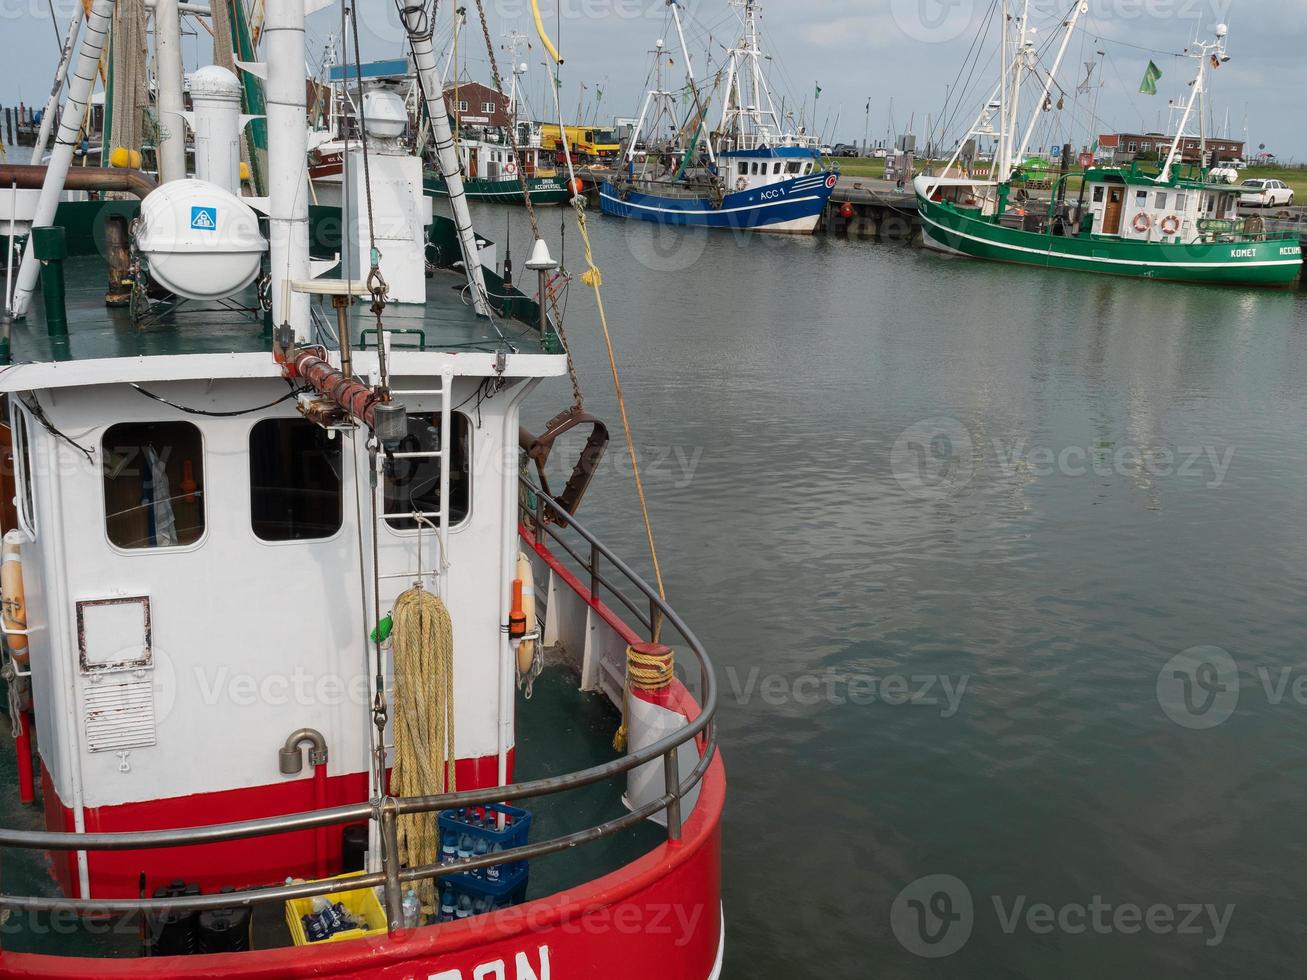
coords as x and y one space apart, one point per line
741 184
1142 221
1170 224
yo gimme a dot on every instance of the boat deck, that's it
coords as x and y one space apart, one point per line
446 322
560 730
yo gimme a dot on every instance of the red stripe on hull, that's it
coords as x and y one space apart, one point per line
657 918
258 861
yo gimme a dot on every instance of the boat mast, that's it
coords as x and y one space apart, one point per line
417 23
700 109
168 78
747 55
1019 60
1070 27
1000 158
79 94
52 103
1213 51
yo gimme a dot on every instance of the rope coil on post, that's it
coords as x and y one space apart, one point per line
650 667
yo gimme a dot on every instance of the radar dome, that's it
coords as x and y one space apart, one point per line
201 241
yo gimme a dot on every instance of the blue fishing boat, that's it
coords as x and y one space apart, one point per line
752 172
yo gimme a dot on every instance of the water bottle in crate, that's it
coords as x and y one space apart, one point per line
487 829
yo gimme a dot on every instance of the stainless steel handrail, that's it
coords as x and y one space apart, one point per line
387 810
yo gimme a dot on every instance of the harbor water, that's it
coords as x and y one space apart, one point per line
1002 571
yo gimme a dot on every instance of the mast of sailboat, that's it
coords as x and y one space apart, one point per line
1080 7
417 23
1215 51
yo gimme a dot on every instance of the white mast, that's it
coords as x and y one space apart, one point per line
747 104
1000 157
1019 63
168 75
1048 82
79 94
288 146
52 103
416 22
689 70
1206 50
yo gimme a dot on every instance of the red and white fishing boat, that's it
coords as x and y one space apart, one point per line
277 503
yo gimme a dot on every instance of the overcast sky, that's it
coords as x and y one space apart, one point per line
858 51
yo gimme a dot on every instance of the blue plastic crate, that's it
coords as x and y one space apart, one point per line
482 895
479 824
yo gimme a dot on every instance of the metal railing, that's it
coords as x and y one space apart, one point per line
387 810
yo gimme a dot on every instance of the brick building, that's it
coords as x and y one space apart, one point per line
477 105
1124 147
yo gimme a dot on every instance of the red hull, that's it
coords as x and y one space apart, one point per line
657 918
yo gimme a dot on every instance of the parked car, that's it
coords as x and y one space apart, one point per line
844 150
1259 193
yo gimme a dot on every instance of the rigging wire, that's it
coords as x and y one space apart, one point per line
37 412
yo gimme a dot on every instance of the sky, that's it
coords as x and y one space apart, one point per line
883 66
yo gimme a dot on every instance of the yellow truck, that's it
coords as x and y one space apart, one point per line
588 144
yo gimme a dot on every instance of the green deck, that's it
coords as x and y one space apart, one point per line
444 323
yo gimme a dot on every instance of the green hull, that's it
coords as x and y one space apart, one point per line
543 190
1276 262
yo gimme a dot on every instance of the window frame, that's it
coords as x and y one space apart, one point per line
204 496
471 495
346 467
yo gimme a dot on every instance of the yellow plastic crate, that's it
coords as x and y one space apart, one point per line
361 902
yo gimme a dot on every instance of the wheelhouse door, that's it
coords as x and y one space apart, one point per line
1112 213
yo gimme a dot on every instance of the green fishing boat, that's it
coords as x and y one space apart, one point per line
1149 223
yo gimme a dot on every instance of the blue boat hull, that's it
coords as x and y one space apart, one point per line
791 206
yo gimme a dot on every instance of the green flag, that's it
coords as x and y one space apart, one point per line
818 92
1151 74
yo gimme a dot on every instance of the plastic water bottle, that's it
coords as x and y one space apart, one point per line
448 904
492 872
412 909
448 847
464 845
480 849
464 909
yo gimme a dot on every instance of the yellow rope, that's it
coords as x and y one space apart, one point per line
424 763
650 672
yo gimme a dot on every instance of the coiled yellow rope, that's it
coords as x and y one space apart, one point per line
424 763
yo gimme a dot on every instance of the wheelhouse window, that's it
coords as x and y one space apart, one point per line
1098 194
153 484
295 482
25 498
792 167
413 483
1159 201
744 170
776 168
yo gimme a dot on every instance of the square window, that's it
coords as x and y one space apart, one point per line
777 168
1098 194
295 482
21 453
1159 201
413 485
153 484
744 169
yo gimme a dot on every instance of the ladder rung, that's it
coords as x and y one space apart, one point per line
425 454
413 514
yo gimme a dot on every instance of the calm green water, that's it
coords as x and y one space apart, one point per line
871 466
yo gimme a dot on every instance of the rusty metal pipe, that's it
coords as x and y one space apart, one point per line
386 419
32 177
